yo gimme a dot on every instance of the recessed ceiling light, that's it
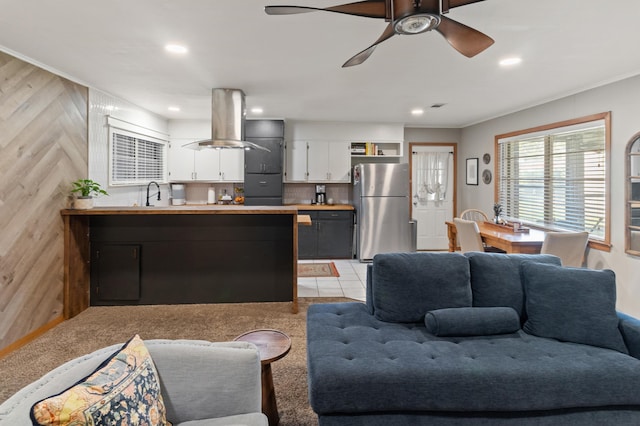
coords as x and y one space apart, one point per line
257 110
176 48
507 62
417 111
174 108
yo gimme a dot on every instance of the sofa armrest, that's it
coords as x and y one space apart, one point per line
630 329
202 380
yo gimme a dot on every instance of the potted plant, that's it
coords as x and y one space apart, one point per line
85 190
497 212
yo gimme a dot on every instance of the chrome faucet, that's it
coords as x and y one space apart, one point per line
157 186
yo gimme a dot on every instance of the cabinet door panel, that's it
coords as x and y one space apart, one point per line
207 164
181 162
259 161
335 237
318 161
339 164
232 165
296 163
117 272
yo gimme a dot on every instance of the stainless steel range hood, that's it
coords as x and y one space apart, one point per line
227 122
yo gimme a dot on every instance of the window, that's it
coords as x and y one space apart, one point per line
633 196
136 159
556 177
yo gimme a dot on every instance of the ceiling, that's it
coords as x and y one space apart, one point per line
291 65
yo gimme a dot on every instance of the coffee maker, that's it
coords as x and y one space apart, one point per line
321 194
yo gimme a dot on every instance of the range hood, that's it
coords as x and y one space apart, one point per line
227 122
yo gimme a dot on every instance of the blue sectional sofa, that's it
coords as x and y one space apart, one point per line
477 339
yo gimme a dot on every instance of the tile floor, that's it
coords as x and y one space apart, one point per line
351 282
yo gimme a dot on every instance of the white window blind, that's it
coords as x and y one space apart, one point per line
136 159
556 179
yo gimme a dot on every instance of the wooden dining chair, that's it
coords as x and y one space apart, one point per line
568 246
475 215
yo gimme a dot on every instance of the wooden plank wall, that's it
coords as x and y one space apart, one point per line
43 148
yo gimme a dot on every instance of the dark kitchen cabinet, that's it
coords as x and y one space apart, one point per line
258 161
268 134
263 169
115 272
330 235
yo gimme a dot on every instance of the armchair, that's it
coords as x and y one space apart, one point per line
203 383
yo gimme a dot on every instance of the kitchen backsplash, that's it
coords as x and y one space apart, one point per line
294 193
303 193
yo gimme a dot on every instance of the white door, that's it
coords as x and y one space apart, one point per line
432 183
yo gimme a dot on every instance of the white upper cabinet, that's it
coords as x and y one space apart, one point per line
318 161
231 165
206 165
296 161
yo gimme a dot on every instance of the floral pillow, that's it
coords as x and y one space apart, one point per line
124 390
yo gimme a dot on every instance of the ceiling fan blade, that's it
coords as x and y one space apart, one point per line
457 3
464 39
368 9
364 55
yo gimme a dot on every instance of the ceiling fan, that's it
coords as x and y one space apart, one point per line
405 17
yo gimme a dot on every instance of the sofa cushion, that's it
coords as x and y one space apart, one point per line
405 286
495 278
124 387
472 321
572 304
251 419
357 364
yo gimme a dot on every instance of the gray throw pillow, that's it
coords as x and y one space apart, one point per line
472 321
572 304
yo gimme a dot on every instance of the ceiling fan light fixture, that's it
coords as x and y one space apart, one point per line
416 24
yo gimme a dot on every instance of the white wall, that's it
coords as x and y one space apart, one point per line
342 131
418 134
623 100
102 105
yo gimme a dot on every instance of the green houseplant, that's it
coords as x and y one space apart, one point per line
85 190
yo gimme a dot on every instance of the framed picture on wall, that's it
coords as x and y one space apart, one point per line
472 171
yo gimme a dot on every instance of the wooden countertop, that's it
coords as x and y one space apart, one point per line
178 210
321 207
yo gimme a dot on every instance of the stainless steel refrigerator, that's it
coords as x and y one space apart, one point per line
381 200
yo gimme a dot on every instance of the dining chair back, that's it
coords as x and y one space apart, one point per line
568 246
468 235
475 215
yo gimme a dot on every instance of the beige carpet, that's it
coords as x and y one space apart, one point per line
102 326
327 269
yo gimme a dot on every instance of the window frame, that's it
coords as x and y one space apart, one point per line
603 244
137 181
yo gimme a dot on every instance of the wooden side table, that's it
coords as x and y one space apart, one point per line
273 345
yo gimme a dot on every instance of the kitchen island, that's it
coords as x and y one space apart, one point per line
179 254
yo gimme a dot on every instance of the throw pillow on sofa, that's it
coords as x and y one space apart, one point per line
460 322
124 389
495 278
405 286
572 305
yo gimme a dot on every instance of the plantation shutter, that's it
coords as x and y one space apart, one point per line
557 178
136 159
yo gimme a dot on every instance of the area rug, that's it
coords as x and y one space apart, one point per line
101 326
327 269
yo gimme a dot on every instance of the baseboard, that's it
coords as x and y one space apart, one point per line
30 337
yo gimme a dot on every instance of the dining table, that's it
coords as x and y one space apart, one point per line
525 240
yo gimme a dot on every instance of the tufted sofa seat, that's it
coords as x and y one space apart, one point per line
363 370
